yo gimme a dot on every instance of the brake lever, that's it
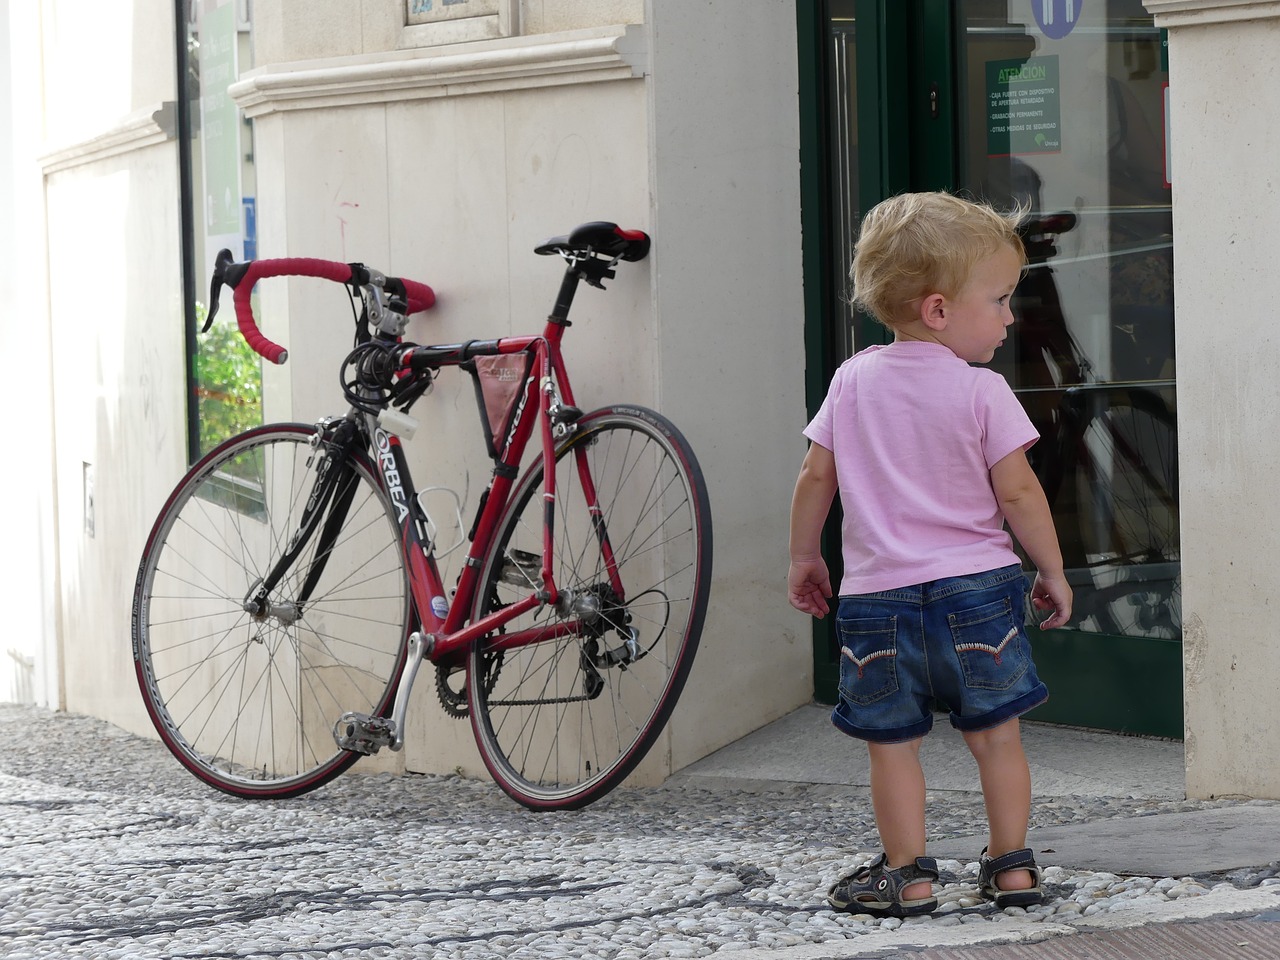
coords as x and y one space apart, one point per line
220 264
225 270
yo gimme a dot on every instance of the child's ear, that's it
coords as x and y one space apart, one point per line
933 312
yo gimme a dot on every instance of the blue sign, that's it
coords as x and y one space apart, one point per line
1056 18
250 207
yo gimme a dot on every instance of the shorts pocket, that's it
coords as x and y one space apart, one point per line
868 659
991 645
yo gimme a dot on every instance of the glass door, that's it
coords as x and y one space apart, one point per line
1071 129
1061 112
1057 107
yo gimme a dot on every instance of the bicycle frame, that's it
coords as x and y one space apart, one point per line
546 392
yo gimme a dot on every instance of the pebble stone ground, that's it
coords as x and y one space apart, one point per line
110 849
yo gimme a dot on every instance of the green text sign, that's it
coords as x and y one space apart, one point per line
1023 107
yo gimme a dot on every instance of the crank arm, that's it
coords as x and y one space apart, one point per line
361 733
419 648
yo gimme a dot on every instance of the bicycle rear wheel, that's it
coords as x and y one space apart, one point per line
563 720
248 703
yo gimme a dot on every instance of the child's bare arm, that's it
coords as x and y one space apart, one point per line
808 580
1023 502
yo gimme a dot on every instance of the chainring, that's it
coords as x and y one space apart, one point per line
453 701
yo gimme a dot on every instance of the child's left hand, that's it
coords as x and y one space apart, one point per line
1052 594
809 586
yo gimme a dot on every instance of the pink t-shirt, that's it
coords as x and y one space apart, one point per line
915 431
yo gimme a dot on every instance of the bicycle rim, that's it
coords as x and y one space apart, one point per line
248 703
561 722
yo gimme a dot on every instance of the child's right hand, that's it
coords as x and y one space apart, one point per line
1052 593
809 586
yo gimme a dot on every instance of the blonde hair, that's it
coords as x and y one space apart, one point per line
915 244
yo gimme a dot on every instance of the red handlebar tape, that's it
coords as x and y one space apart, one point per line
420 295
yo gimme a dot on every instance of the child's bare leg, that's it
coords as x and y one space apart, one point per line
1006 789
897 796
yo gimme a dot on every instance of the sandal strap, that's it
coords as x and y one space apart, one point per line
990 867
1022 859
923 868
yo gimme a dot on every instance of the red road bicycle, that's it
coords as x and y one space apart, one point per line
289 591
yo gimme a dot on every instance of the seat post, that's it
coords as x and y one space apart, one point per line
564 299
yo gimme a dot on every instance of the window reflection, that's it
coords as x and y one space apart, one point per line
226 375
1072 128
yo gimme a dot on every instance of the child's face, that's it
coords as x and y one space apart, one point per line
978 317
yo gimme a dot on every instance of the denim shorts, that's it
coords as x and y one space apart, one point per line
955 644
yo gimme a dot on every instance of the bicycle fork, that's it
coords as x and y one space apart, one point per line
331 496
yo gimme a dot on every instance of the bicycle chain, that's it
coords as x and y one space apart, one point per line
538 703
591 679
454 702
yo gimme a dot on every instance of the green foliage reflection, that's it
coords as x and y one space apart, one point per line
228 383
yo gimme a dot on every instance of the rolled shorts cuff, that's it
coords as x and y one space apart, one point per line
913 731
1014 708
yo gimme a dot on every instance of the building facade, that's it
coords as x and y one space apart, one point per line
444 151
444 141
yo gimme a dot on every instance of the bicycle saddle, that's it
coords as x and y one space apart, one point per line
599 237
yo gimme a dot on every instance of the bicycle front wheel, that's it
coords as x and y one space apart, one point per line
245 700
567 699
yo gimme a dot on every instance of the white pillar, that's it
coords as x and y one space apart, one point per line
728 287
1224 74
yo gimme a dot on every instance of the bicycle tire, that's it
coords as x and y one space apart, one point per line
558 722
1127 472
248 704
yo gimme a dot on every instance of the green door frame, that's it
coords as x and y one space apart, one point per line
908 140
815 236
885 167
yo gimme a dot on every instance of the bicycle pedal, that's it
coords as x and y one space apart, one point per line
363 734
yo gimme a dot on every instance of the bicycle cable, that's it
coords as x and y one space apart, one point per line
366 377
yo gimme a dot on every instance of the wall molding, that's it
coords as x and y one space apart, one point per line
518 63
1189 13
143 128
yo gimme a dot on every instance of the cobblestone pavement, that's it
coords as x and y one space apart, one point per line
110 849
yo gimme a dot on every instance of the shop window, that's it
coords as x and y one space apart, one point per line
1063 112
214 45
